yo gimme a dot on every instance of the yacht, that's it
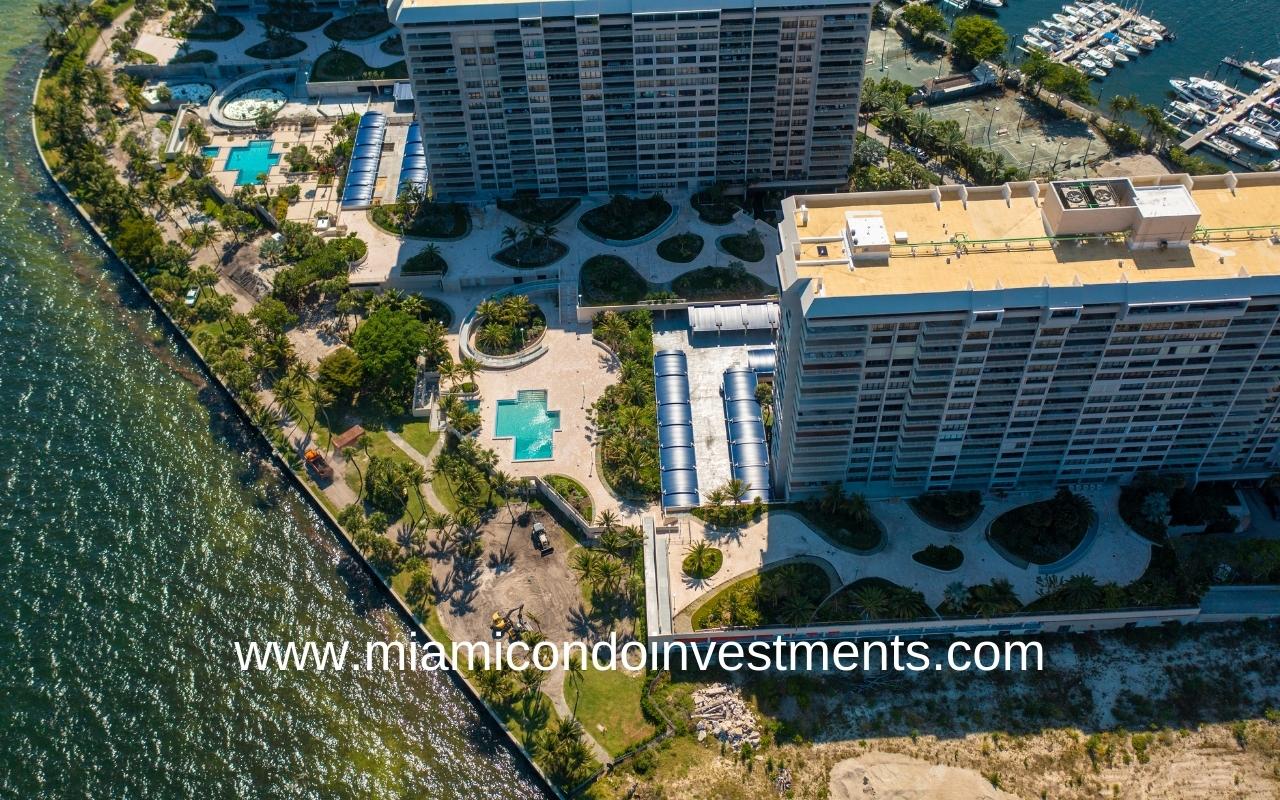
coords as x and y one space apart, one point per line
1101 59
1193 112
1223 146
1251 136
1115 53
1269 125
1049 43
956 5
989 3
1037 43
1146 30
1069 22
1115 40
1202 92
1141 42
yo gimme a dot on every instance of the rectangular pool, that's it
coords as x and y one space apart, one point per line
527 421
210 152
252 160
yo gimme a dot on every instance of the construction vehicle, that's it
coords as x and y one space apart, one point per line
316 461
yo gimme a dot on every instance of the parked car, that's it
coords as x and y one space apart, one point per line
193 295
541 541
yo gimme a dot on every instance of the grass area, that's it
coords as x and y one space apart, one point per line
681 248
539 210
140 57
720 283
531 253
195 57
744 246
356 27
713 208
434 221
950 511
1044 532
377 444
610 700
713 561
296 19
574 493
944 558
610 280
343 65
215 28
785 594
444 490
269 49
425 263
623 219
420 435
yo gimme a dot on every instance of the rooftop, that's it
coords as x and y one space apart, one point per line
997 237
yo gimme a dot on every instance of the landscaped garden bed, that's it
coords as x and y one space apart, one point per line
432 220
681 248
272 49
719 283
508 326
532 249
427 262
623 219
787 594
574 493
215 28
343 65
357 27
945 558
950 511
993 599
609 280
626 413
713 208
295 19
393 45
1044 532
845 519
702 561
873 599
195 57
538 210
746 246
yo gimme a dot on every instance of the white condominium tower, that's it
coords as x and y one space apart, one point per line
570 97
1029 334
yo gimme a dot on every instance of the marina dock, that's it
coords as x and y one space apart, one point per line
1234 114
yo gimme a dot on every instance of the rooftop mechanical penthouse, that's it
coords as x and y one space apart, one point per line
567 97
1029 334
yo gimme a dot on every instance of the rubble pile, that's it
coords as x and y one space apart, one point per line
721 712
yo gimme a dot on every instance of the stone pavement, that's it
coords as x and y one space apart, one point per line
1115 553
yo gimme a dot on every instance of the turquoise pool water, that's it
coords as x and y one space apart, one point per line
527 421
210 152
252 160
472 405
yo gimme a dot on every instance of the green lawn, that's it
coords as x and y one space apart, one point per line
379 445
610 699
420 435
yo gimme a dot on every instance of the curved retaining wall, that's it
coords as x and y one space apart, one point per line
504 362
233 88
653 234
397 602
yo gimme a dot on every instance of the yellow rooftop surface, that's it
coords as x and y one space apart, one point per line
990 217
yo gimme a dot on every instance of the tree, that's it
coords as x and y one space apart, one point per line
1067 81
976 38
388 343
386 484
340 374
924 18
699 558
273 316
993 599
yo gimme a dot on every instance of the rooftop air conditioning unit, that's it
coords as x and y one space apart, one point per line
1103 196
1075 197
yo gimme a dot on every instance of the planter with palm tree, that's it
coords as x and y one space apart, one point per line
786 594
508 326
428 261
530 247
681 248
624 219
747 246
844 519
702 561
874 599
625 415
1043 532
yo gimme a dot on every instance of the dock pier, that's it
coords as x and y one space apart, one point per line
1233 114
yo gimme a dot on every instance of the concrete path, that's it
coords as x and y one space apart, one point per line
1114 554
425 461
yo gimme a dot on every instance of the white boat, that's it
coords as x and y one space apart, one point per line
1223 145
1037 43
1069 22
1101 59
1048 41
1193 112
1096 72
1146 30
1145 43
1251 136
956 5
1210 94
1115 40
1269 125
989 3
1115 53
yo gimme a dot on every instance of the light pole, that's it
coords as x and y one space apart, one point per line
884 45
1084 162
1054 168
968 117
1032 166
991 122
1022 111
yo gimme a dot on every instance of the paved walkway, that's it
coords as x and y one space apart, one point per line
1115 553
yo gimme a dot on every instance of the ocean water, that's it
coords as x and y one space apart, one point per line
141 533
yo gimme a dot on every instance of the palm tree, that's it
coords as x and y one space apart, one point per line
894 114
502 484
1080 592
735 488
993 599
607 519
612 330
921 127
905 603
832 498
797 610
573 674
468 367
870 602
699 558
586 563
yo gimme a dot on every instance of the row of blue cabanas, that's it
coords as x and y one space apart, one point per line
413 164
675 430
362 171
748 449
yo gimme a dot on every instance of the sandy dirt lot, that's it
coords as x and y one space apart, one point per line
892 776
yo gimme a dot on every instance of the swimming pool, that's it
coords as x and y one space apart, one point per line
527 421
252 160
210 152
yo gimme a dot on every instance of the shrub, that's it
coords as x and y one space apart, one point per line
713 208
427 262
719 283
215 28
195 57
944 558
1047 531
874 598
681 248
343 65
271 49
432 220
746 246
610 280
538 210
625 219
703 562
952 511
787 594
359 26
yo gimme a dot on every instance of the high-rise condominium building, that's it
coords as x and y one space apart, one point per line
1029 334
573 97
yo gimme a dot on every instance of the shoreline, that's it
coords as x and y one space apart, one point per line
398 603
